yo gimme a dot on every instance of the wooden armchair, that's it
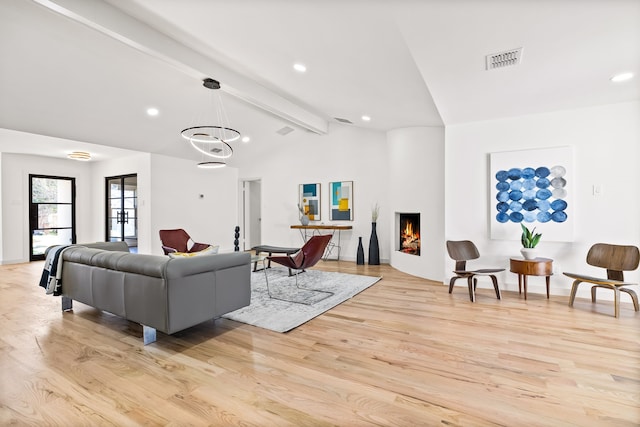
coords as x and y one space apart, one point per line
616 259
461 252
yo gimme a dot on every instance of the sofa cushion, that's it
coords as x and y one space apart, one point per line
211 250
149 265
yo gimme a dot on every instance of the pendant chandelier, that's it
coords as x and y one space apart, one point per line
212 141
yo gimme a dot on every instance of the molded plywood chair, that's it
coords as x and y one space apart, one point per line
616 259
461 252
308 256
178 240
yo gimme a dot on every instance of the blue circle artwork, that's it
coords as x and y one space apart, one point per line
515 195
543 216
542 172
502 176
528 173
502 217
514 174
531 194
502 186
543 183
543 194
558 216
516 216
528 184
530 205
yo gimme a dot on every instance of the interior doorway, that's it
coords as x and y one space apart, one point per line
251 211
122 210
52 213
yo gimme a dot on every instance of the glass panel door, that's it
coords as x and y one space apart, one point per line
122 210
51 213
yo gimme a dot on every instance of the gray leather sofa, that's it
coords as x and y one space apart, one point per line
158 292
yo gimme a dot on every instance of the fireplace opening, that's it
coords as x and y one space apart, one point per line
409 233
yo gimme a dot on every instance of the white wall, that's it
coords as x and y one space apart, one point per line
346 153
1 204
204 202
605 141
15 170
416 164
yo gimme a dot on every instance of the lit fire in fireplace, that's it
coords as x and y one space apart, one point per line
410 234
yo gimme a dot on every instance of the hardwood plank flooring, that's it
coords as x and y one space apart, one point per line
404 352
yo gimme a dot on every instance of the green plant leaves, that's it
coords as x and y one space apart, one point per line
528 239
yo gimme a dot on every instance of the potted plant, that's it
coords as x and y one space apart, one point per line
529 241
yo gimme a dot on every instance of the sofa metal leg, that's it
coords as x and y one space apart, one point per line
67 303
148 334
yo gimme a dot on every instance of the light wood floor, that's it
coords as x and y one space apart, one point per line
402 353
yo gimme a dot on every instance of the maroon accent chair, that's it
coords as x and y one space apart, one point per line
308 256
178 241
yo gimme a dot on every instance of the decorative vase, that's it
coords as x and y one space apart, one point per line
236 241
360 255
304 220
529 253
374 250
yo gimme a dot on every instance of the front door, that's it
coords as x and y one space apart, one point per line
52 213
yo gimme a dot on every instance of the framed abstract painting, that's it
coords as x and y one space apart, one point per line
341 201
309 200
534 188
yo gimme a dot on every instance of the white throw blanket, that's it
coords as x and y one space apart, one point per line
52 273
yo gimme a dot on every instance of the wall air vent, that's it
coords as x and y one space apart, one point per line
504 59
285 130
347 121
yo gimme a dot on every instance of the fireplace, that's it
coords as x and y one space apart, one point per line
409 233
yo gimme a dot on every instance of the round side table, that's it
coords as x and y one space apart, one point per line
531 267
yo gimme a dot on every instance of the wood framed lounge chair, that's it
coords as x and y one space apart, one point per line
616 259
462 251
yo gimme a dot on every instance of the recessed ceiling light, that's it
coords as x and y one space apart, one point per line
152 111
366 118
246 139
622 77
301 68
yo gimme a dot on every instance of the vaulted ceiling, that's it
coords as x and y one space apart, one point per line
87 70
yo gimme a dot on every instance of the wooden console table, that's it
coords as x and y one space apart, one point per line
307 231
531 267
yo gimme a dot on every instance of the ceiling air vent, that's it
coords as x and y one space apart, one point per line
347 121
504 59
285 130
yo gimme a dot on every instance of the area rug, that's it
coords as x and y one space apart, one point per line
282 316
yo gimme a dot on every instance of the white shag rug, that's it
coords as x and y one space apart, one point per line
282 316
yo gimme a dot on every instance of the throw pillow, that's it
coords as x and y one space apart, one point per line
211 250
